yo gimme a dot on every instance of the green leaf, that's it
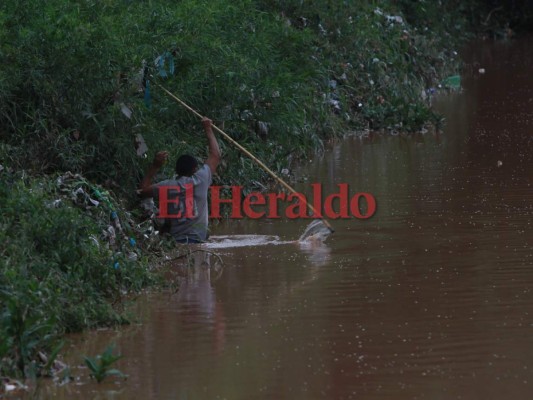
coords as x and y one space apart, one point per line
91 364
52 357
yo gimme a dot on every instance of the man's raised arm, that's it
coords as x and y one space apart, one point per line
214 151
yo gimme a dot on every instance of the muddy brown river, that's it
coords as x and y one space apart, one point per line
429 299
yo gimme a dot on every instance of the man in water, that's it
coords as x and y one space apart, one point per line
191 227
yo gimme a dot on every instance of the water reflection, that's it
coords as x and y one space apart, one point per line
196 302
318 252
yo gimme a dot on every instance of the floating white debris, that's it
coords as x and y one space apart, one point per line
125 110
9 388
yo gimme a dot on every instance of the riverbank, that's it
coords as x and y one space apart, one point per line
280 77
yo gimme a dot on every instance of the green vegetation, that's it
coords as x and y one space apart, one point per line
100 366
282 77
57 273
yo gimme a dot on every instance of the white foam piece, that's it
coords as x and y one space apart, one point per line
230 241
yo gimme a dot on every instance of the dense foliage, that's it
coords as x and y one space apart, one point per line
280 76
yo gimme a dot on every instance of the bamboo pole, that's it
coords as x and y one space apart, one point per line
246 152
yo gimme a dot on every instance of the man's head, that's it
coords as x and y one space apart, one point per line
186 165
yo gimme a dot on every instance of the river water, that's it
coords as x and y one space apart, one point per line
429 299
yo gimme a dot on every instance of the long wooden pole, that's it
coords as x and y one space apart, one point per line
245 151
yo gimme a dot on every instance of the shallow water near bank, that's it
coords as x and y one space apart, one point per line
429 299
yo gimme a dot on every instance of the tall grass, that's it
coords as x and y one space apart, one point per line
305 70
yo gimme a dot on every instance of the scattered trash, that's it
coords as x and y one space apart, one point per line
125 110
81 198
11 385
148 204
140 145
161 63
94 239
246 115
54 203
110 235
335 104
285 171
499 163
481 70
116 221
390 18
395 18
118 230
452 82
139 81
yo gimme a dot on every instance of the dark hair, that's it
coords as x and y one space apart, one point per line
186 165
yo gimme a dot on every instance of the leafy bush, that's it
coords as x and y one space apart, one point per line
100 366
56 276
